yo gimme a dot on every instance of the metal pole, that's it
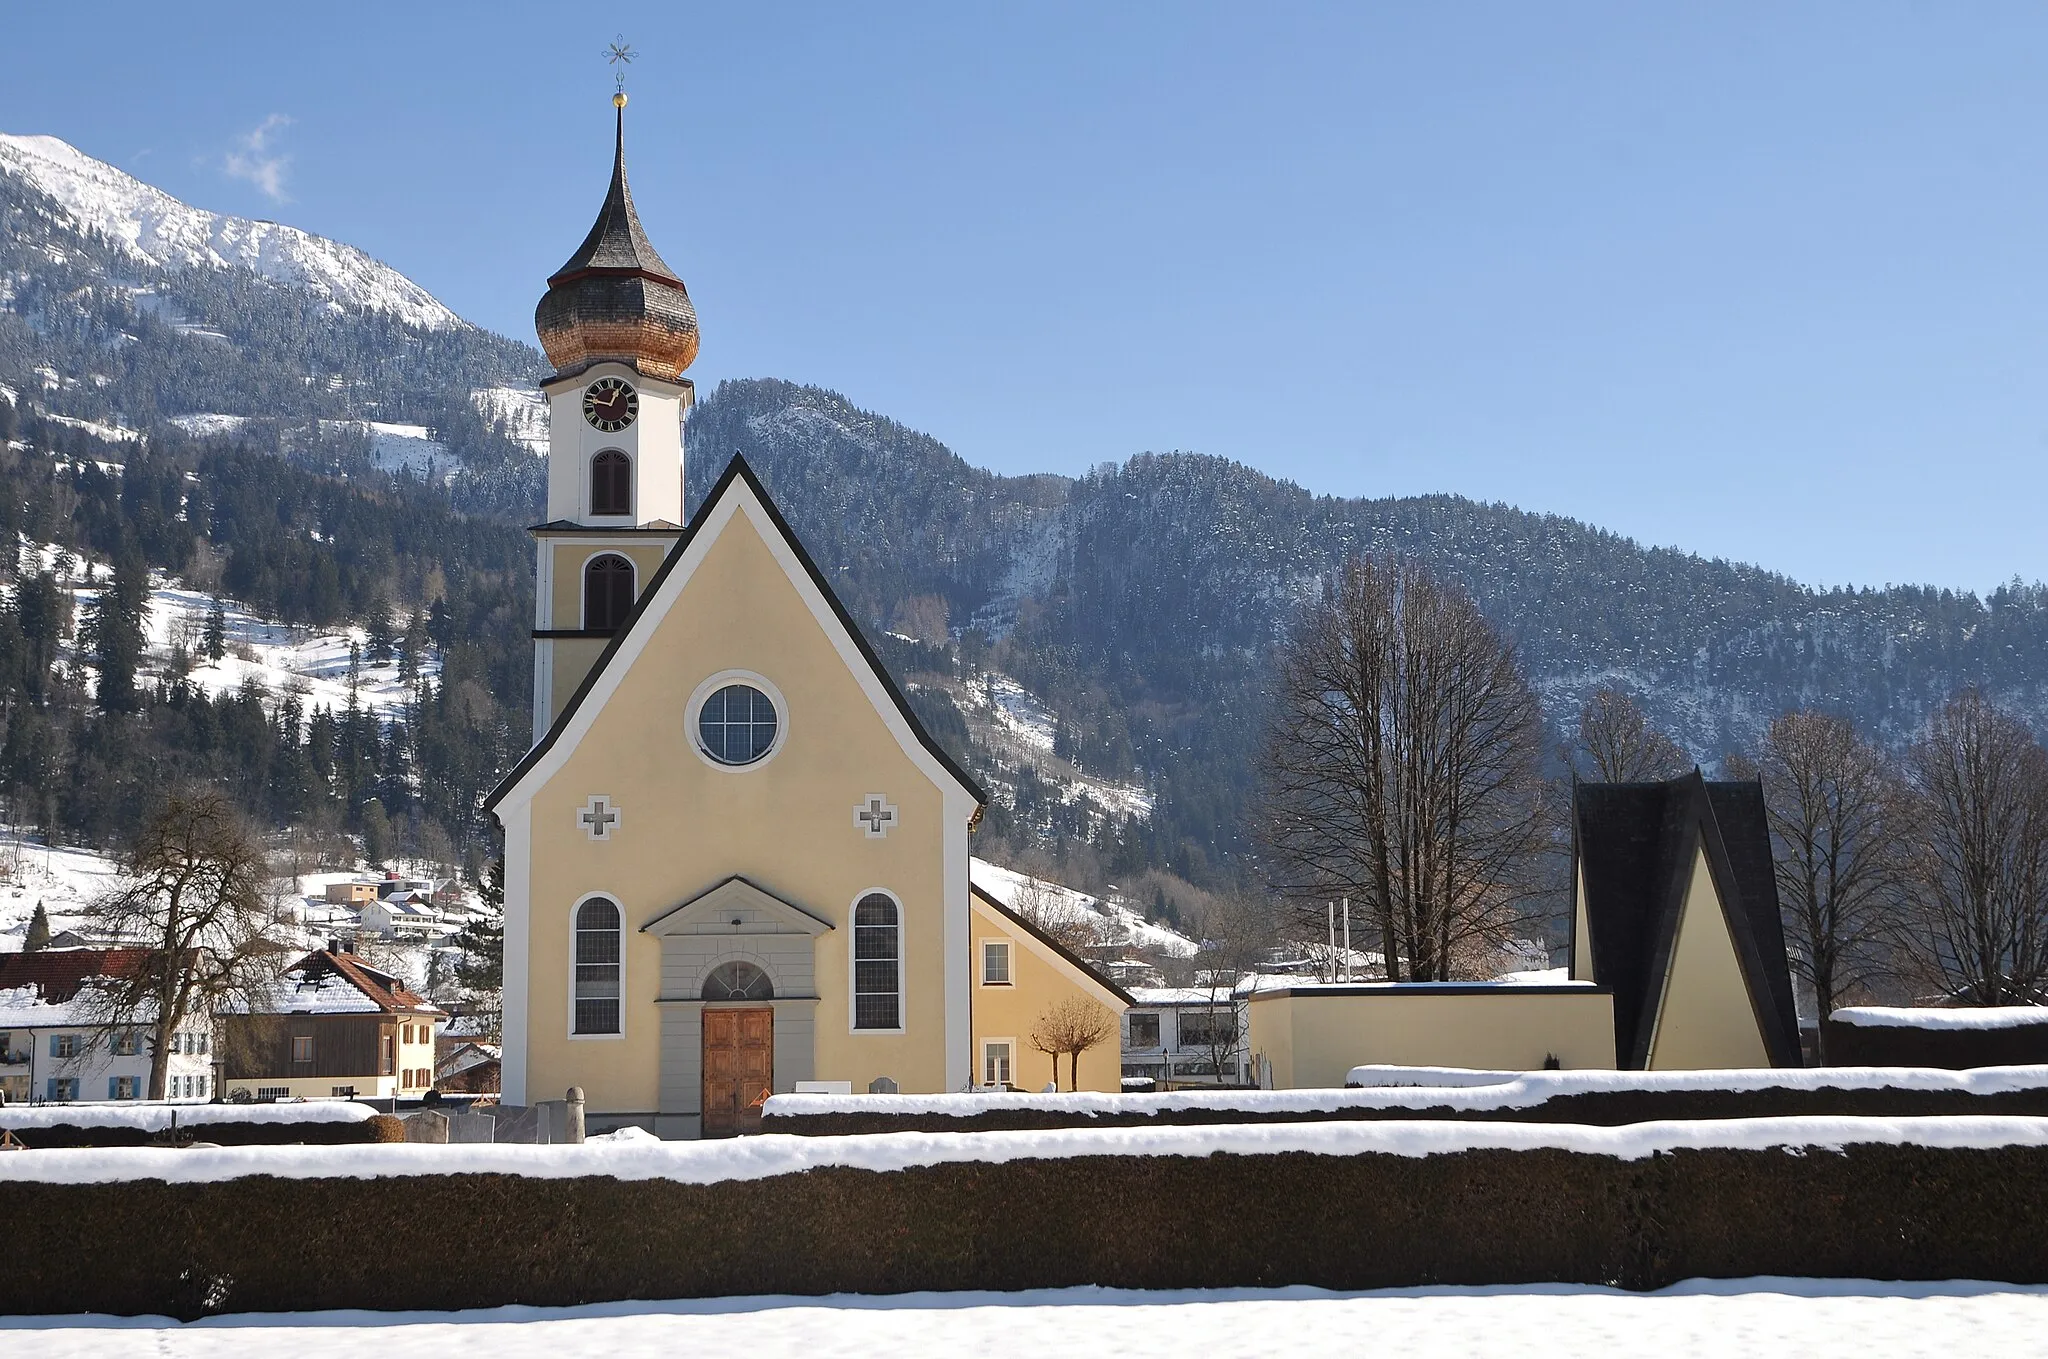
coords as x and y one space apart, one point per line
1347 939
1330 910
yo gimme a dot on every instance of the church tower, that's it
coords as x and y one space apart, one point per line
617 325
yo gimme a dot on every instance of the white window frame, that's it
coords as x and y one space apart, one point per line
1009 962
569 1019
712 685
632 487
583 582
1007 1043
853 958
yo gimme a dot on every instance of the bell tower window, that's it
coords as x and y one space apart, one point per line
607 592
611 483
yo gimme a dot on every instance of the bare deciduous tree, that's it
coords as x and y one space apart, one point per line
1058 913
1834 803
1071 1027
195 897
1617 744
1980 869
1401 768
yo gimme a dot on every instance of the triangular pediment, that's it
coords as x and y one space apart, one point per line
735 906
738 502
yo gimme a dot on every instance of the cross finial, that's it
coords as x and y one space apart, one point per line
619 54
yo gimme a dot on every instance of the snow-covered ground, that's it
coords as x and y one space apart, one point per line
64 881
280 658
1119 924
521 410
151 225
1013 720
1741 1319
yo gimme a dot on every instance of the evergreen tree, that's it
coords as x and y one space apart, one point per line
116 627
378 630
39 931
216 643
376 833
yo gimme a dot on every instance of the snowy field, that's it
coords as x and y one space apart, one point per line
1743 1319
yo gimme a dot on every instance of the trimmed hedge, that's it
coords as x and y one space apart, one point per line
1952 1049
1599 1108
1344 1222
228 1132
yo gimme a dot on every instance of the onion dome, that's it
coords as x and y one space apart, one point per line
616 298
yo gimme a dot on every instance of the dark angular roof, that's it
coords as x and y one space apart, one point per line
737 471
1634 844
616 239
386 990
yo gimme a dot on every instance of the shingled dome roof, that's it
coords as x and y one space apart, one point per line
616 298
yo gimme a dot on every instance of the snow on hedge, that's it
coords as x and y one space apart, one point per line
1430 1088
1922 1017
157 1117
754 1158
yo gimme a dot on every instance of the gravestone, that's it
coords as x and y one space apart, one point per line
881 1085
472 1127
573 1116
426 1126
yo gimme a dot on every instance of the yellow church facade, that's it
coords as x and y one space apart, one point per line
734 860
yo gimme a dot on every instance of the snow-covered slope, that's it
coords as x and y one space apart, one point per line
1113 923
155 227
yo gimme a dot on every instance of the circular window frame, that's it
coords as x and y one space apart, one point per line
712 685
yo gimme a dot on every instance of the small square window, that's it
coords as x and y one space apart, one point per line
996 1062
1144 1031
995 962
302 1047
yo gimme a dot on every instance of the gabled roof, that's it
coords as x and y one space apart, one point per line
736 893
1066 954
737 475
325 968
1635 845
57 975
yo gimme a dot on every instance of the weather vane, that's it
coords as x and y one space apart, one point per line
619 53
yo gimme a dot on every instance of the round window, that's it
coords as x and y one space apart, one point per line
737 724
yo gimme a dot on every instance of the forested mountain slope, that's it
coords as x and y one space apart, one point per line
1094 647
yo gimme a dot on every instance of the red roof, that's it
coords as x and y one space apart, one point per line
57 974
381 987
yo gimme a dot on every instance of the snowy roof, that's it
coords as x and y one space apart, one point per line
328 983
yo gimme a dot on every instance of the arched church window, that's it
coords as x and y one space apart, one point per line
877 963
611 483
737 724
607 592
738 981
597 967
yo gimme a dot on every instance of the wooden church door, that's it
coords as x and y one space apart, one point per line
739 1069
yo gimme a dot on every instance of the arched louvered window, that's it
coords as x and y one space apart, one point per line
607 592
611 483
597 967
738 981
877 963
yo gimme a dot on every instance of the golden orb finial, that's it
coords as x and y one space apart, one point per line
619 100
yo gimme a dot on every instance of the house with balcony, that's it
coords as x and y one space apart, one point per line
58 1046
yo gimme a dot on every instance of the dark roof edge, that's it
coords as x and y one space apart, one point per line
1428 989
1749 953
1055 945
735 470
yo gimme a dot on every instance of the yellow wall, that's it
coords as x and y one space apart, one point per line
1706 1021
1313 1039
1040 980
786 824
645 555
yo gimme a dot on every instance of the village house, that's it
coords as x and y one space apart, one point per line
1187 1036
332 1026
57 1046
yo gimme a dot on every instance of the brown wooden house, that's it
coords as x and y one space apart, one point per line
334 1026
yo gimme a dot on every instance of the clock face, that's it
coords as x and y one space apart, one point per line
610 404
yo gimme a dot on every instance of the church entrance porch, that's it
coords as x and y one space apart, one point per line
739 1069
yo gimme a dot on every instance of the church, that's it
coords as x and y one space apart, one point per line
735 862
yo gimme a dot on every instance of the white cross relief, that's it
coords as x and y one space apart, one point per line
874 816
599 817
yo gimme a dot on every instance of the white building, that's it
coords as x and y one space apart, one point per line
1186 1035
55 1048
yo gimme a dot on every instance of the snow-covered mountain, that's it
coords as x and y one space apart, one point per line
154 227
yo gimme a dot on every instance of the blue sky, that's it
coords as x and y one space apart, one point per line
1758 281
